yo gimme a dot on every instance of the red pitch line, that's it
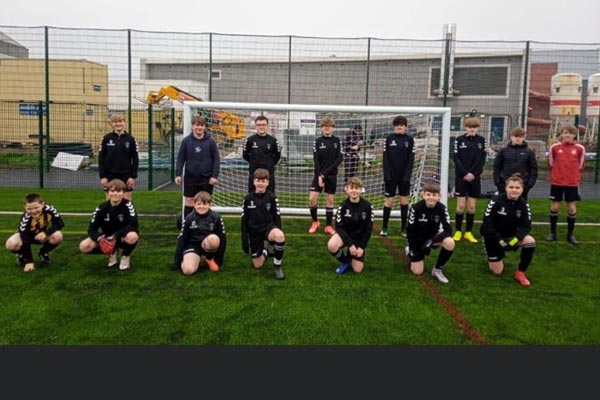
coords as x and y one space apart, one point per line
469 330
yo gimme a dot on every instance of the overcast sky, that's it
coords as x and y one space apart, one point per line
570 21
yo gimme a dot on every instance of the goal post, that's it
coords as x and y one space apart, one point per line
297 125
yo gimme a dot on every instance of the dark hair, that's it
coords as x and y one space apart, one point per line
431 187
400 120
518 131
261 118
33 198
357 128
198 120
261 173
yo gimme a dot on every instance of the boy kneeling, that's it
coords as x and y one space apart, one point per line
261 220
429 228
353 226
40 224
202 234
114 220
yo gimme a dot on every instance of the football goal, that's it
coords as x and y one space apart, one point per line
296 127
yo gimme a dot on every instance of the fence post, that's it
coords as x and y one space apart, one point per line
210 61
41 142
525 88
150 147
446 70
365 123
287 148
129 80
47 78
289 82
173 132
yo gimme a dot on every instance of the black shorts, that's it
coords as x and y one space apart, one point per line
390 188
494 251
417 254
329 187
463 188
569 193
257 242
191 186
124 178
197 249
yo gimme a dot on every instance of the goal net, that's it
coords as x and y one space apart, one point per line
297 126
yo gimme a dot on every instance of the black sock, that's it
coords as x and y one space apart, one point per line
387 211
328 216
25 254
278 248
470 221
47 248
553 221
313 213
526 256
128 248
571 223
341 256
459 221
443 258
403 215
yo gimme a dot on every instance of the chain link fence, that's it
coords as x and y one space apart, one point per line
59 86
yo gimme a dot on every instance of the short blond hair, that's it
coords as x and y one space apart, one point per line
355 182
116 184
472 121
203 197
328 122
115 117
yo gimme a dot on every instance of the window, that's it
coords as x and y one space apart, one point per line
215 74
455 123
475 81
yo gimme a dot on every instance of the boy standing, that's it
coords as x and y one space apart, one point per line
566 160
40 224
398 160
516 157
202 234
261 150
199 155
261 220
327 156
115 219
118 156
353 226
429 228
469 160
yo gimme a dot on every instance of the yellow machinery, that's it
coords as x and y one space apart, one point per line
224 126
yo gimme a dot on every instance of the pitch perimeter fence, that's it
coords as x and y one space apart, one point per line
59 86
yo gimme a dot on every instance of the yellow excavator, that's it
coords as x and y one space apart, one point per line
224 126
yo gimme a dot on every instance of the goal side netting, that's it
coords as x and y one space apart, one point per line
297 126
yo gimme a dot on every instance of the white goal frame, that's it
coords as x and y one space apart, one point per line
445 112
